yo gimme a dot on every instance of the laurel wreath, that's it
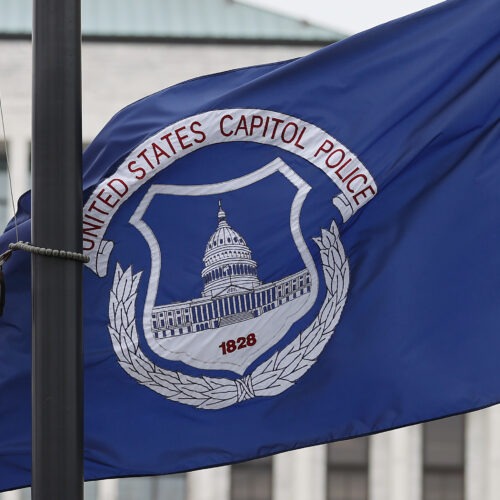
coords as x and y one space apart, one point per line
272 377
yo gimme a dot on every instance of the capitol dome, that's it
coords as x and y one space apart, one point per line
229 267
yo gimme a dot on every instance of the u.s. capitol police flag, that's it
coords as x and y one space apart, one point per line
285 255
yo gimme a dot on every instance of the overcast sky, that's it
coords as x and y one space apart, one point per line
347 16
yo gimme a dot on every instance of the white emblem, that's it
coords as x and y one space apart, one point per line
202 332
194 331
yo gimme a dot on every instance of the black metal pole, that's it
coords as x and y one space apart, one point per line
57 400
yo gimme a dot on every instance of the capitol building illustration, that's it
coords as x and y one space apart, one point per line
232 291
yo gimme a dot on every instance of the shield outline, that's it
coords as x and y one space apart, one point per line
277 165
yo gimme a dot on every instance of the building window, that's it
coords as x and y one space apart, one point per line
348 470
89 493
90 490
252 480
443 457
153 488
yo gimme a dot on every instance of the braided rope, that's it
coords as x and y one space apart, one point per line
49 252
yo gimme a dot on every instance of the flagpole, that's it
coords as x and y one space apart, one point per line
57 401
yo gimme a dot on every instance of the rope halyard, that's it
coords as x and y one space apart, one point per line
47 252
8 169
27 247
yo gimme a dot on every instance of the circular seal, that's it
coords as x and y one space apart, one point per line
240 321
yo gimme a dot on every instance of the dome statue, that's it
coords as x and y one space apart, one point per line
229 267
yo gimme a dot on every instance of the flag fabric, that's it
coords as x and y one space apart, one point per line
284 255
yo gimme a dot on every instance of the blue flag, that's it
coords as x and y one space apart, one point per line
284 255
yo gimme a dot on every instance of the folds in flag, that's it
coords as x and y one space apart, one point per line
284 255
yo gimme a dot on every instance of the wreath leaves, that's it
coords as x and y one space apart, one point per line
270 378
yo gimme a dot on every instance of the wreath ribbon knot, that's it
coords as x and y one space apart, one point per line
270 378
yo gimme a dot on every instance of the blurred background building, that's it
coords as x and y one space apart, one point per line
133 48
